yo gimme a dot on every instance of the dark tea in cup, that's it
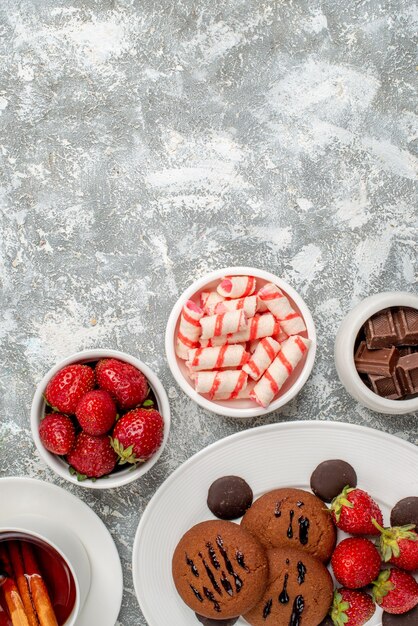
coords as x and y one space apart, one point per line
36 583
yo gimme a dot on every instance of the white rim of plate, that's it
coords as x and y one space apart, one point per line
223 409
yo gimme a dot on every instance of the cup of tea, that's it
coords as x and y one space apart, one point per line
44 574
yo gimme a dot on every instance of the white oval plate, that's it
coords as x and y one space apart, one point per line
27 495
267 457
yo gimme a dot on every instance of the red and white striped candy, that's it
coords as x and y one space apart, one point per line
228 383
281 336
258 326
281 368
189 330
216 358
223 324
244 394
237 286
261 305
209 300
275 300
253 345
261 359
248 305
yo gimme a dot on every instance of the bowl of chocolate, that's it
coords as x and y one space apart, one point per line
376 352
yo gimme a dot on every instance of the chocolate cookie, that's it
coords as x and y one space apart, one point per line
406 619
219 569
229 497
207 621
299 585
292 518
405 512
330 478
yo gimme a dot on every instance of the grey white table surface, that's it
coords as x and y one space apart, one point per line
143 144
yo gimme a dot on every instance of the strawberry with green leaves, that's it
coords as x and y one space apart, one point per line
351 607
353 511
398 545
92 457
137 435
355 562
57 433
96 412
65 390
125 383
395 591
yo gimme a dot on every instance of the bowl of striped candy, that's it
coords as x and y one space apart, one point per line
240 342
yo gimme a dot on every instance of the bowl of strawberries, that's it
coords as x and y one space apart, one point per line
100 418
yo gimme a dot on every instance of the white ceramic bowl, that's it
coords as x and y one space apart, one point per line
56 463
238 408
344 352
65 543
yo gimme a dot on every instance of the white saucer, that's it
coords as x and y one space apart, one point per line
26 495
267 457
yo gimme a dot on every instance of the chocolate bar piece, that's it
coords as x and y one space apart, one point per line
407 370
380 330
379 362
406 324
387 386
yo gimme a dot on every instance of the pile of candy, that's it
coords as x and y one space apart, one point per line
241 342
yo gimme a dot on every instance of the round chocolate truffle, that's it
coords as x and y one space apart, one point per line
330 478
405 512
207 621
229 497
406 619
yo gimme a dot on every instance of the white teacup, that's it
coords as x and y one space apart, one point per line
64 543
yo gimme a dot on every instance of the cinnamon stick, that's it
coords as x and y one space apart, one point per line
11 593
39 592
21 581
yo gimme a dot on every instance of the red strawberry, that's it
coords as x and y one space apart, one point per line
352 607
353 510
96 412
92 457
395 591
123 381
356 562
398 545
138 435
67 387
57 433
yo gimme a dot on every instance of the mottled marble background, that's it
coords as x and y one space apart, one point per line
144 143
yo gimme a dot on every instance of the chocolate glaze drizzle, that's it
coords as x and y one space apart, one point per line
267 608
277 511
290 529
284 596
240 560
212 598
301 572
226 585
287 561
192 566
212 556
299 503
228 564
211 575
298 606
303 529
196 593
